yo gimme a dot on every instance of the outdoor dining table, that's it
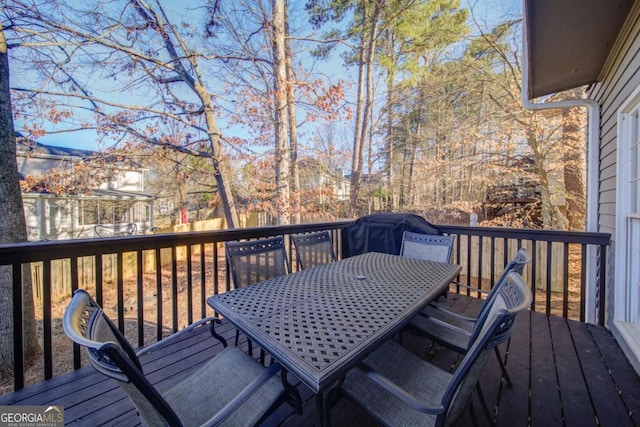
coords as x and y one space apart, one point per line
318 323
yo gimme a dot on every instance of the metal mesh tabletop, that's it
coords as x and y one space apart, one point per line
320 321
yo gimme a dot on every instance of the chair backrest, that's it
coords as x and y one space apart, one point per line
512 298
313 249
108 351
517 264
256 260
431 247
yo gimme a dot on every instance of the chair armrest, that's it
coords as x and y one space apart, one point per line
471 288
399 392
449 326
450 313
168 340
244 395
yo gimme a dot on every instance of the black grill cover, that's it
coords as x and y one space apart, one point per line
381 232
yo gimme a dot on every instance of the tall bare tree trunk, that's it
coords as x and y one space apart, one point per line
365 96
283 165
551 216
573 159
192 77
356 156
388 166
293 126
13 229
224 192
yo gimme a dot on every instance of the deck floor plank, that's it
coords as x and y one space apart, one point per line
576 402
546 406
513 404
607 404
576 364
626 381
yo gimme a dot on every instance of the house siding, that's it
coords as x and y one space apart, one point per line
620 77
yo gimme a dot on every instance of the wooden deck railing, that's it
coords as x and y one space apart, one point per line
156 284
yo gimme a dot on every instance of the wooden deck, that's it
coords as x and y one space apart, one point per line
564 373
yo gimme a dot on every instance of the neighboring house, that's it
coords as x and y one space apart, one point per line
314 175
571 43
118 206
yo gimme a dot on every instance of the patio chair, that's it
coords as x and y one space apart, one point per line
431 247
401 389
230 389
313 249
254 261
456 331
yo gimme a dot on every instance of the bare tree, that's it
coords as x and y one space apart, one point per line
77 51
281 113
13 229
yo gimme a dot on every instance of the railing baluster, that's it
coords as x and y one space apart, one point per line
74 286
492 267
216 270
505 252
98 275
189 287
46 320
548 283
534 270
203 281
227 274
18 344
140 295
174 288
583 281
458 255
159 313
480 252
120 290
469 244
565 282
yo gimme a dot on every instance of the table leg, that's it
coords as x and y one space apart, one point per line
322 415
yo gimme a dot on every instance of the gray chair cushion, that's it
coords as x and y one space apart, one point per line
206 392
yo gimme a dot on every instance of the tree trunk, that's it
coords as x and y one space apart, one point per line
388 166
293 124
368 48
283 208
356 156
573 159
217 160
550 213
13 229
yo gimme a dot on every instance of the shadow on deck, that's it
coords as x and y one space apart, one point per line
564 373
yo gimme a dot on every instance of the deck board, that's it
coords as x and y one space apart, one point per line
573 373
608 406
574 394
546 409
624 377
512 408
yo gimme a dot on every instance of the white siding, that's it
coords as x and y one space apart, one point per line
620 78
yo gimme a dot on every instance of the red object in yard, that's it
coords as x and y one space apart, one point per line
183 218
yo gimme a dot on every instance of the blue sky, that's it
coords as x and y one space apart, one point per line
485 11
